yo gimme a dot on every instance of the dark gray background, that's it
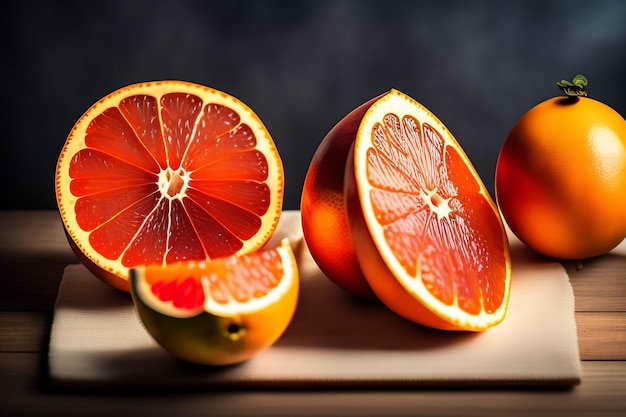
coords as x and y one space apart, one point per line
300 65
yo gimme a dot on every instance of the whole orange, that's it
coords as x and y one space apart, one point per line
561 178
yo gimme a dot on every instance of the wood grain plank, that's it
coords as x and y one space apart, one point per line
34 235
601 336
33 253
601 283
600 394
29 286
24 331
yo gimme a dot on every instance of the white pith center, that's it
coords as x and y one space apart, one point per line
173 183
436 203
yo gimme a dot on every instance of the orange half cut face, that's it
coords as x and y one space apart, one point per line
436 229
164 172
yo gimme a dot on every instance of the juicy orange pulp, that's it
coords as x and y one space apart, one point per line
221 311
163 172
561 178
427 235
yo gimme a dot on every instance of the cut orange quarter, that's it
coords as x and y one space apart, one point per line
162 172
427 234
222 311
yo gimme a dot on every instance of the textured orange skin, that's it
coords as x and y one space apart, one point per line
382 280
324 218
201 339
561 178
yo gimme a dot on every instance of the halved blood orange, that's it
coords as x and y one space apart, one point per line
161 172
427 234
322 207
220 311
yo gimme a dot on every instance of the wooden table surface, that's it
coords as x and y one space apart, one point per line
34 252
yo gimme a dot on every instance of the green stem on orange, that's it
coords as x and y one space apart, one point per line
574 88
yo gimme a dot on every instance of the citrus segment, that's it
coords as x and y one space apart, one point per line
221 286
431 243
220 311
167 171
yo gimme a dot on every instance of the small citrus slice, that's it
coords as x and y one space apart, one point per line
222 311
427 234
162 172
